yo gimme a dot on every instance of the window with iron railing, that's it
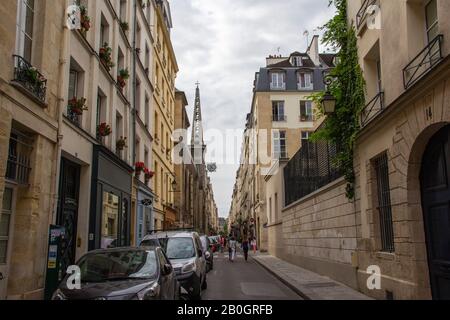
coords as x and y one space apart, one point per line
278 111
279 148
306 111
278 81
29 78
18 166
305 81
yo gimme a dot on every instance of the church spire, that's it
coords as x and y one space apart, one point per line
197 143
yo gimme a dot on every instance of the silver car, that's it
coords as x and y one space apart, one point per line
185 252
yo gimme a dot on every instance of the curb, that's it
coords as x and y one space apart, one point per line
284 281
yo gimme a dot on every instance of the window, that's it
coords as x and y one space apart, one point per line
279 144
123 10
147 59
146 158
156 126
305 80
432 20
147 112
383 201
270 209
278 80
155 183
73 84
305 136
25 21
276 208
306 111
138 97
278 111
297 61
104 31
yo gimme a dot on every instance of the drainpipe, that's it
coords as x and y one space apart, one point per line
63 55
133 108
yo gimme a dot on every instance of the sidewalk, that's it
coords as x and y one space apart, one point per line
307 284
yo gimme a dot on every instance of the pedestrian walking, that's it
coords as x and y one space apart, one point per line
232 249
222 244
253 244
245 247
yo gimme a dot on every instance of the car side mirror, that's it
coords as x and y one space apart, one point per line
168 269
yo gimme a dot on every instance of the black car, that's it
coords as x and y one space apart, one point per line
142 273
208 252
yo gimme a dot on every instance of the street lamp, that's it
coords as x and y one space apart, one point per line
328 100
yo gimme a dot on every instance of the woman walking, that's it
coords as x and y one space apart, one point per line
253 244
232 249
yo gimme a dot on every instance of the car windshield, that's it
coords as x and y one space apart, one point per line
178 248
118 265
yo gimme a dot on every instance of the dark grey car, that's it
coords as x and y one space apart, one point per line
123 274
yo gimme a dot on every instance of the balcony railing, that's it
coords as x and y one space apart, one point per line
301 87
362 13
29 78
311 168
429 57
279 118
277 86
280 155
18 166
372 109
74 118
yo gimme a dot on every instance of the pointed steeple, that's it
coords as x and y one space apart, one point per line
197 143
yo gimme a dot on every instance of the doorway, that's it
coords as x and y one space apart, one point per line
6 236
435 188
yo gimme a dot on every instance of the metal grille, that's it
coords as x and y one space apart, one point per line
18 166
310 169
372 109
384 203
30 78
362 12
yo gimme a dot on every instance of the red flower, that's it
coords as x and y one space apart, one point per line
139 166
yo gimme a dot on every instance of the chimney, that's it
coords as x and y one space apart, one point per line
313 50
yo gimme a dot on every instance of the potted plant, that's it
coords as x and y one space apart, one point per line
85 21
148 174
122 77
77 106
139 167
105 54
121 143
103 129
33 77
125 26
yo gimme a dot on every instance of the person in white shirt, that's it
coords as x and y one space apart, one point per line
232 249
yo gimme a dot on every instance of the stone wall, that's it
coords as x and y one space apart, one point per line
319 233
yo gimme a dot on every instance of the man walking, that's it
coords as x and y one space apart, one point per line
245 247
232 249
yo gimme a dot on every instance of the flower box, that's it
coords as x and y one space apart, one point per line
121 143
105 55
85 21
77 106
103 130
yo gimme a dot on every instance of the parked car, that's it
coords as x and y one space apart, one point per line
184 249
208 252
143 273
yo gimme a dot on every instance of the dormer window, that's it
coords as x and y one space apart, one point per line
278 81
296 61
305 81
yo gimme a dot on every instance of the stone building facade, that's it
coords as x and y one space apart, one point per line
31 34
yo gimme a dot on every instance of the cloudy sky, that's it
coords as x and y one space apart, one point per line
221 44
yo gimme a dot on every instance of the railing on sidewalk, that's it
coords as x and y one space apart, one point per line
310 169
429 57
372 109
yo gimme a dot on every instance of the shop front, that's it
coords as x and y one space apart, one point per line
110 224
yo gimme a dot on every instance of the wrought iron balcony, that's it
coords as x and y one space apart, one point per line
29 78
372 109
279 118
362 13
306 117
19 158
74 118
428 58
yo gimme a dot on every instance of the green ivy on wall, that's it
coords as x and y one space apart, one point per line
348 88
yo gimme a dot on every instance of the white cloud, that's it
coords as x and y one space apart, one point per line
222 43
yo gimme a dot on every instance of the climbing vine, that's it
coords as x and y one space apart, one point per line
348 88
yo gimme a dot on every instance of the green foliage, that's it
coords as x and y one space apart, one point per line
348 88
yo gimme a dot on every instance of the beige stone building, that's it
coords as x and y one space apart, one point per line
282 117
398 223
31 99
165 69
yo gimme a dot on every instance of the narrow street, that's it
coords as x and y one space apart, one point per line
240 280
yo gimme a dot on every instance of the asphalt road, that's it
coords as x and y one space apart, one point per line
240 280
